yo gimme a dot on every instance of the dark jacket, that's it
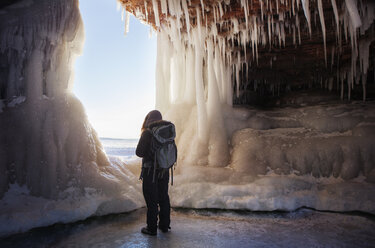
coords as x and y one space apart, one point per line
144 144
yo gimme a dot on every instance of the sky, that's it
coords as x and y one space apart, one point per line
115 75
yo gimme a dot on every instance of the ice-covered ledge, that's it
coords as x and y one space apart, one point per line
318 156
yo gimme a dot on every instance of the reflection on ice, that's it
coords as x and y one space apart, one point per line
303 228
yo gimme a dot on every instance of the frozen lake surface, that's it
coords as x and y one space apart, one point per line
121 148
207 228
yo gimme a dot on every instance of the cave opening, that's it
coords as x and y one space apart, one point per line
230 157
115 75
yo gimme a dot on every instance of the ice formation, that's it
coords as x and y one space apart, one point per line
215 62
267 27
53 168
231 157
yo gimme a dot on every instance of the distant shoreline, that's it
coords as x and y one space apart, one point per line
106 138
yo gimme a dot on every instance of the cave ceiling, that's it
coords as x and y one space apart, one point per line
299 57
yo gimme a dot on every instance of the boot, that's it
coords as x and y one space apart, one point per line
163 229
145 230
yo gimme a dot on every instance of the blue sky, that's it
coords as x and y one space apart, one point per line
115 75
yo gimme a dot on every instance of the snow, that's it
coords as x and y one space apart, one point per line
20 211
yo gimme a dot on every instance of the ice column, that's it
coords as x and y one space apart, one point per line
56 148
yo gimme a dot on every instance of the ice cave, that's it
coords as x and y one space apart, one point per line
273 102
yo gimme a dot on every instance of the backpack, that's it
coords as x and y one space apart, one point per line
164 148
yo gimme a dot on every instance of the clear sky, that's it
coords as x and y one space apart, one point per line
115 75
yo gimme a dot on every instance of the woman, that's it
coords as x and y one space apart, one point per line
155 188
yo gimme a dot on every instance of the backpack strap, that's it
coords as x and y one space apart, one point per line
141 175
171 175
153 177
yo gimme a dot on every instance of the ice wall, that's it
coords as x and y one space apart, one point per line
240 158
48 149
202 64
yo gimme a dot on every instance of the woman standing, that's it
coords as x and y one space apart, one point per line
154 183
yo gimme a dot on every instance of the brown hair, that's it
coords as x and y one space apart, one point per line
151 117
144 124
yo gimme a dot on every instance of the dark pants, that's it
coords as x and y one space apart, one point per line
156 194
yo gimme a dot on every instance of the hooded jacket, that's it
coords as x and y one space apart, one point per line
144 145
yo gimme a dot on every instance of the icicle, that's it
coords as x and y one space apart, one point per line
255 32
200 98
321 15
164 7
298 29
306 10
199 24
282 30
202 6
353 12
277 6
269 30
156 12
127 20
293 11
221 9
190 97
245 7
206 26
238 74
186 13
146 12
278 33
214 11
364 79
235 25
364 47
334 6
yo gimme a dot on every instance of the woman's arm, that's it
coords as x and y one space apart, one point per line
144 144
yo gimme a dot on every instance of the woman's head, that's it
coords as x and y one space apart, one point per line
151 117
